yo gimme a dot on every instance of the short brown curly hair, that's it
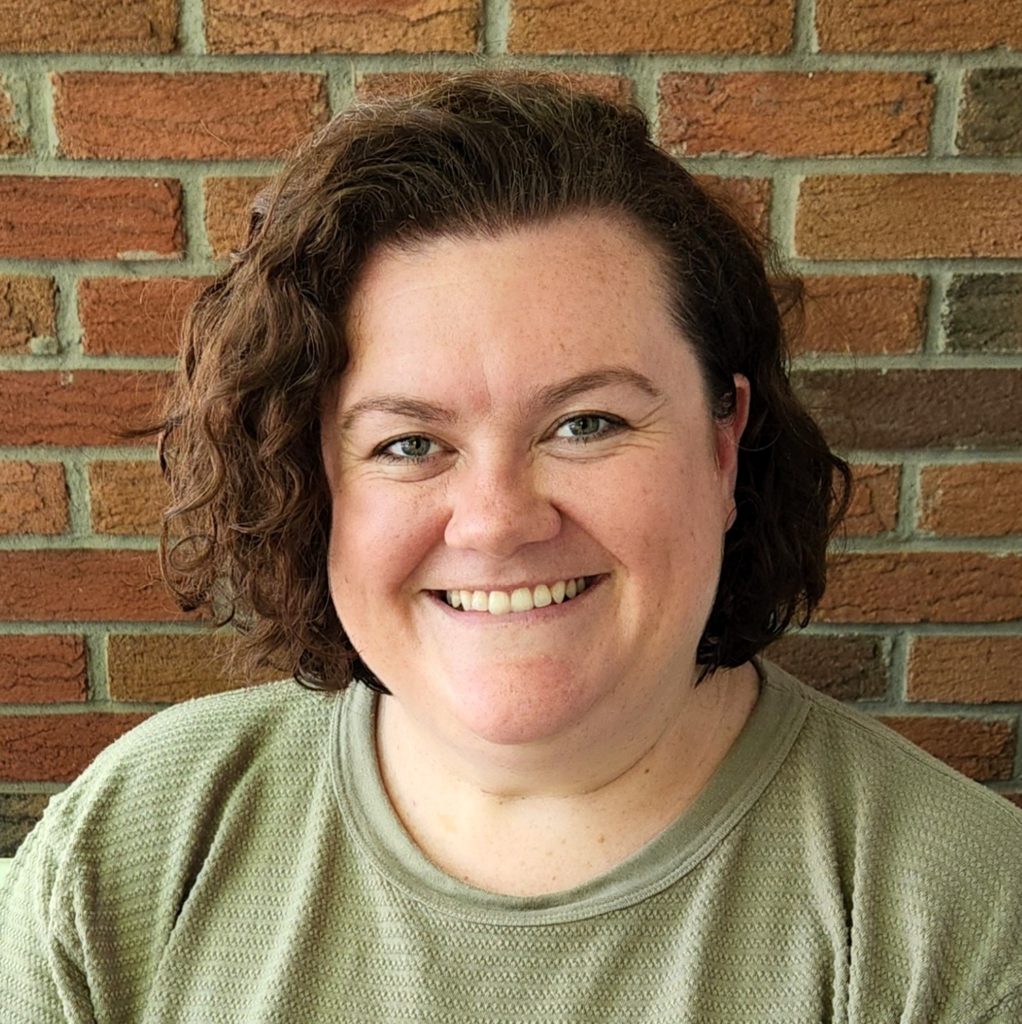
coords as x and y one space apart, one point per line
246 536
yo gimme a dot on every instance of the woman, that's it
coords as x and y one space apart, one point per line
489 420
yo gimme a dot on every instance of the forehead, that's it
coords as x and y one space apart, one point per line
499 312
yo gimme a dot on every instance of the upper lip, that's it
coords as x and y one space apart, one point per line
546 580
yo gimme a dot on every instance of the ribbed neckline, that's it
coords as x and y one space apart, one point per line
742 776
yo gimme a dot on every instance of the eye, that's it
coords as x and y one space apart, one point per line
413 448
588 426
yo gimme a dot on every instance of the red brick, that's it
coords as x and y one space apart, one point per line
13 134
965 669
35 498
900 409
345 26
396 84
923 586
19 813
228 202
629 26
127 497
829 113
185 116
56 748
893 25
77 407
981 499
874 505
135 316
747 198
26 312
864 315
846 667
1015 798
906 216
982 750
172 668
88 26
42 669
73 585
90 218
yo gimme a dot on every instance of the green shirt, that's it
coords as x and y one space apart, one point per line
235 859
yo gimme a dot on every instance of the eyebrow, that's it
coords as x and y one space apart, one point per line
546 397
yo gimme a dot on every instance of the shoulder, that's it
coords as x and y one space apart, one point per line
183 764
929 862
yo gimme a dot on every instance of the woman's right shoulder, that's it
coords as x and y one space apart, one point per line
182 765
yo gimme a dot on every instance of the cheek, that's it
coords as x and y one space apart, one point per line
378 538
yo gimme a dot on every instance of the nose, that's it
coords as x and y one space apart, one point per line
496 509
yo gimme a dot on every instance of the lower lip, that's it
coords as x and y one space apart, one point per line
550 612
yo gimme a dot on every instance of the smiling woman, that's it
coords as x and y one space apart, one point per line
486 439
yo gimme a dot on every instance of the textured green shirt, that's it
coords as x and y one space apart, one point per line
235 859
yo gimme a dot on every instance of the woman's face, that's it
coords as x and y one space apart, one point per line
520 412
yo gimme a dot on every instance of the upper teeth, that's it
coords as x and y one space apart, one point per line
524 599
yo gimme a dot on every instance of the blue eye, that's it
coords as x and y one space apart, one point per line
587 427
414 448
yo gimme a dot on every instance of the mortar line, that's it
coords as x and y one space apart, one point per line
495 26
934 341
908 499
191 30
804 28
947 98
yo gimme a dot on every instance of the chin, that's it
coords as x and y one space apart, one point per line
521 705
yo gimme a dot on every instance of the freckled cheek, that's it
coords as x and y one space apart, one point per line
378 538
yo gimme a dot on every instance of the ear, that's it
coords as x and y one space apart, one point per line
728 435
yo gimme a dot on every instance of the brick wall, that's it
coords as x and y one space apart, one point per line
881 143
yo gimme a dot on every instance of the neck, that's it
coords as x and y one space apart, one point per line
570 814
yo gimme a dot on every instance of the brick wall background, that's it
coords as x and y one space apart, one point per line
880 142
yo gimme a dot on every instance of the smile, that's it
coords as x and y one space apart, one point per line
521 599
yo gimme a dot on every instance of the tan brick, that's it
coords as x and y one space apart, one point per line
864 315
981 750
172 668
981 499
13 131
42 669
77 407
27 313
88 26
906 216
34 497
135 316
874 504
396 84
922 586
748 199
73 585
900 409
836 113
57 748
965 669
127 497
228 202
893 25
185 116
19 813
90 218
629 26
846 667
344 26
